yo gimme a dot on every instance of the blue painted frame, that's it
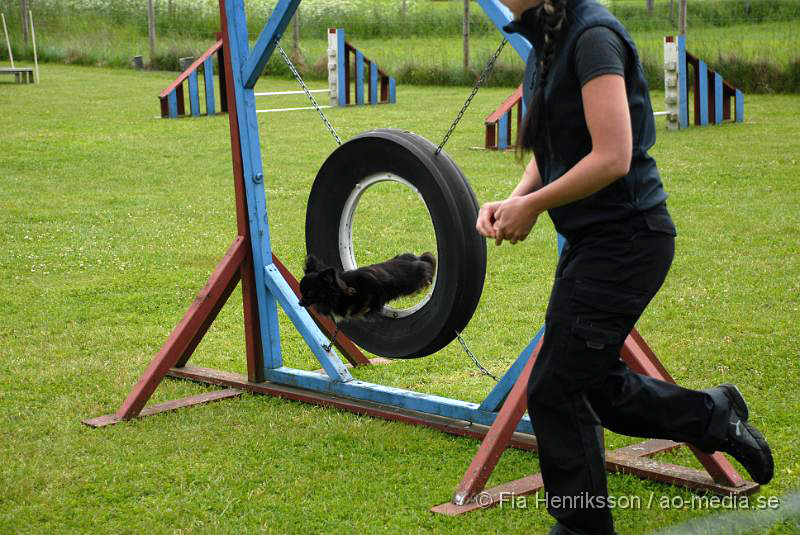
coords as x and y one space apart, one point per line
683 87
340 67
172 103
359 78
739 106
373 83
194 94
208 77
502 131
703 92
272 289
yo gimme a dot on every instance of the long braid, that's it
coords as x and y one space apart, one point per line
554 14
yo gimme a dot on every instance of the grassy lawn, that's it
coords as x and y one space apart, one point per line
111 221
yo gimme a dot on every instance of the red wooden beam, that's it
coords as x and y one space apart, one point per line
181 101
185 74
497 438
507 105
490 138
158 408
187 330
641 359
252 332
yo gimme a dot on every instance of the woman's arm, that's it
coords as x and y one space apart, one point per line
531 181
607 116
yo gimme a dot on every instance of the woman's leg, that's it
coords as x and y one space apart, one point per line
603 285
636 405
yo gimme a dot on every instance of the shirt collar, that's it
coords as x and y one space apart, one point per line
530 26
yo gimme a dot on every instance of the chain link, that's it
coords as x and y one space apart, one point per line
473 357
308 94
486 71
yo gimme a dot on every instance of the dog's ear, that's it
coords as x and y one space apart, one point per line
312 264
349 290
330 275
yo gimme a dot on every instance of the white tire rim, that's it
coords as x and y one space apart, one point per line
347 250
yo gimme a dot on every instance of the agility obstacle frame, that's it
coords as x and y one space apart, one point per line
381 88
499 419
172 99
498 123
712 94
346 68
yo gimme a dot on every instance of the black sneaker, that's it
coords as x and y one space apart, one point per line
743 441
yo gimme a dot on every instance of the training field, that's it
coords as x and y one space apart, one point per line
111 221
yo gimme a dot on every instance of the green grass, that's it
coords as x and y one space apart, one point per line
112 220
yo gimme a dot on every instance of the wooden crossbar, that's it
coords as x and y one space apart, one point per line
193 67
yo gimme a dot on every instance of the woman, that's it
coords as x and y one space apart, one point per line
589 125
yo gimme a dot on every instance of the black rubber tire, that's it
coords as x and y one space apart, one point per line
453 208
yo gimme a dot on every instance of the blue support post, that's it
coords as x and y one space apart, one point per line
341 52
502 132
208 77
500 392
392 91
359 78
253 65
683 87
718 96
703 92
739 106
373 83
194 94
251 157
172 102
305 325
501 16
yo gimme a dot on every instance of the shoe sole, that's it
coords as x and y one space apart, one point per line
769 468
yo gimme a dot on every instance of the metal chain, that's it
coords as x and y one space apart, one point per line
473 357
478 84
333 338
308 93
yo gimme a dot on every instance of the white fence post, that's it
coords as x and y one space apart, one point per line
671 90
333 66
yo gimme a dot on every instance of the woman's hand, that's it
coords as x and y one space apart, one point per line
486 219
514 219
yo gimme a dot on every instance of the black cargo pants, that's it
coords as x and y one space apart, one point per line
579 384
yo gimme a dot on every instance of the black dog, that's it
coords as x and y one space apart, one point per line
361 293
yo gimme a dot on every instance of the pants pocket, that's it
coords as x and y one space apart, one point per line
596 337
601 316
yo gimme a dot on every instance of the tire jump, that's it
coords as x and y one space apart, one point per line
409 159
